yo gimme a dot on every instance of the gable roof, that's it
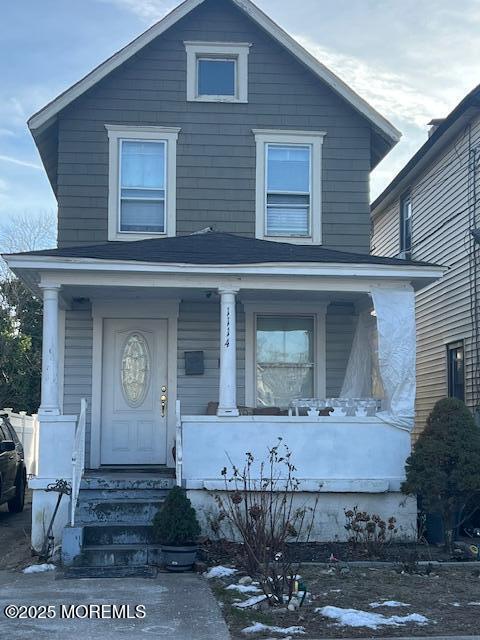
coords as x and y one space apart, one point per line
215 248
47 115
447 129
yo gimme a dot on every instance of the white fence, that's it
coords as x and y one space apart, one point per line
26 428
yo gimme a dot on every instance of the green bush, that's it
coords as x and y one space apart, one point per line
176 523
444 468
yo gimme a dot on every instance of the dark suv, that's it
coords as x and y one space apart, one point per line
13 475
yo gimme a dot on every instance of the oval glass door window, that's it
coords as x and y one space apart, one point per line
135 369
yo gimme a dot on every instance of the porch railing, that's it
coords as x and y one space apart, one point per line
178 444
78 458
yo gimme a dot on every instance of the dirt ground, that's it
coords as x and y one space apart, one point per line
15 536
221 552
448 597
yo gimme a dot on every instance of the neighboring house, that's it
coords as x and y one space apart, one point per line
190 344
430 211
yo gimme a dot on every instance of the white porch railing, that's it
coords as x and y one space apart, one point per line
178 444
26 428
78 458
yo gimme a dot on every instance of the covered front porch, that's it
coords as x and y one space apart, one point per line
184 365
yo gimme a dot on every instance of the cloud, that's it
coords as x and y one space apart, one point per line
21 163
393 94
147 10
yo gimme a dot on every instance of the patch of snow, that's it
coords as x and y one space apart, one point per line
258 627
243 588
357 618
220 572
388 603
39 568
250 602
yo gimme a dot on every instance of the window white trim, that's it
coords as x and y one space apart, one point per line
237 51
118 133
264 137
253 309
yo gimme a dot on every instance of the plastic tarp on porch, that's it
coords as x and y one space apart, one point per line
383 356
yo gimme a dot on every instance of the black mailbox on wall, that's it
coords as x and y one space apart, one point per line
194 365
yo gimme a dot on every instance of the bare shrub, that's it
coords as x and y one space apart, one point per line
369 532
260 507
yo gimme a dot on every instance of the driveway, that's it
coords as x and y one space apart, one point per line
15 536
176 606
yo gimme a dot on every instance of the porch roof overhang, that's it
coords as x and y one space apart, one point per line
215 260
36 271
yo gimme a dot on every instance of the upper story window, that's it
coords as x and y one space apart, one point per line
288 186
142 182
142 186
217 72
406 226
288 190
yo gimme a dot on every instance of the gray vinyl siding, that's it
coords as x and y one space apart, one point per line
216 147
341 323
199 330
78 365
440 234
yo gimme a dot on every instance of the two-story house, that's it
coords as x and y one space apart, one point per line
213 262
430 211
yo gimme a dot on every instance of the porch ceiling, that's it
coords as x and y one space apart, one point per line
78 293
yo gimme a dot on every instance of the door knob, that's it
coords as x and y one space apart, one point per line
163 400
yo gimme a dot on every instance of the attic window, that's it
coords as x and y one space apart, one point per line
217 72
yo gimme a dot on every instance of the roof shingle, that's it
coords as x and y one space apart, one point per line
216 248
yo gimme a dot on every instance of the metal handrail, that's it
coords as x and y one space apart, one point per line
78 458
178 444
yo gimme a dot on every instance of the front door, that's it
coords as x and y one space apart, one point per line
134 379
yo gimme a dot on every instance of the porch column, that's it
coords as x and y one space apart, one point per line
50 398
227 405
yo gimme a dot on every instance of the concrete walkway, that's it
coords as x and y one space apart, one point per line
176 606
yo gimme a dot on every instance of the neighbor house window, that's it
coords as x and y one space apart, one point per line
142 182
406 226
456 370
217 72
288 201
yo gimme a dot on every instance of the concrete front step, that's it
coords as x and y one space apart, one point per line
132 510
119 481
121 571
129 555
91 495
108 534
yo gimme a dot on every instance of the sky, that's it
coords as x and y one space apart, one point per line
413 60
